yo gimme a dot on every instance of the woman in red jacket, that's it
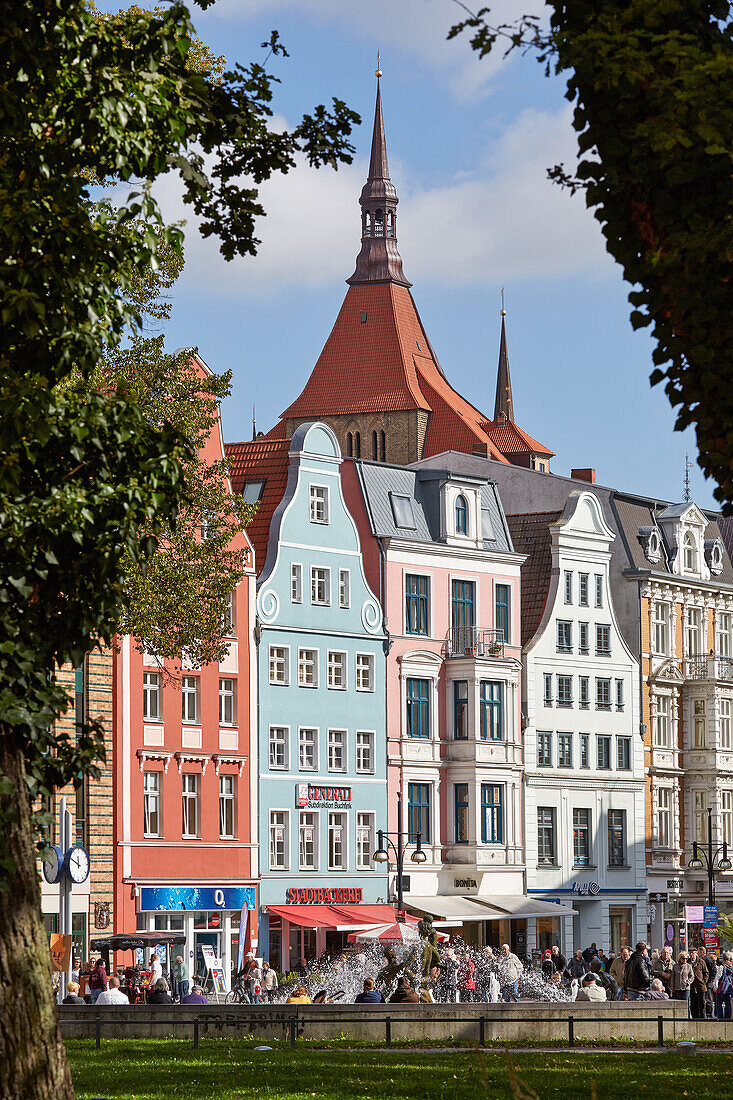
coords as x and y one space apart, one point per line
466 980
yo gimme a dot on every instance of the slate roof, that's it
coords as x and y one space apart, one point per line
261 460
531 536
635 512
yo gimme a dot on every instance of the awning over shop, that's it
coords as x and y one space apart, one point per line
517 906
339 918
452 907
512 906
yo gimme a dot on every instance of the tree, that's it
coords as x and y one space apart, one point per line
651 82
88 479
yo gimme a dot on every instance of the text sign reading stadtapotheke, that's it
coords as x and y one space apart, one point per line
330 798
710 916
190 898
323 895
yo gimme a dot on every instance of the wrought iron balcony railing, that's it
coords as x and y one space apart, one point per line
708 666
469 641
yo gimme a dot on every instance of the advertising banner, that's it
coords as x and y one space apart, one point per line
218 977
192 898
694 914
710 938
710 916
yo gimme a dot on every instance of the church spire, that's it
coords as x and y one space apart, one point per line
378 261
503 405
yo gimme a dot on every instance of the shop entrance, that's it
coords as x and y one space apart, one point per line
619 920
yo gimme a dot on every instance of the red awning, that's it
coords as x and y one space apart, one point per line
337 916
370 914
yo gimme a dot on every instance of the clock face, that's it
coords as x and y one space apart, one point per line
52 864
77 864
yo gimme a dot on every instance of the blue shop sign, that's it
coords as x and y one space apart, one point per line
710 916
190 898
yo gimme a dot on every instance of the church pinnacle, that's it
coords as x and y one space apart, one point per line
503 404
379 260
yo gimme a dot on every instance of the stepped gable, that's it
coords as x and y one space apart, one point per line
261 460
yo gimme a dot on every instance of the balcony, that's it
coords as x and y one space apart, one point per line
708 666
469 641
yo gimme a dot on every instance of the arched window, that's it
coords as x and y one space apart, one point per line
390 224
375 453
461 516
350 444
382 447
357 444
365 224
378 222
690 553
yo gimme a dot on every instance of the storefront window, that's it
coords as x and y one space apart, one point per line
620 922
548 932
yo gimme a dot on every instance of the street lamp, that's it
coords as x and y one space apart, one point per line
385 843
706 859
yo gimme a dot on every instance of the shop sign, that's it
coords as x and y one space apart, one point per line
675 884
191 898
328 798
586 888
465 883
323 895
659 896
710 939
710 916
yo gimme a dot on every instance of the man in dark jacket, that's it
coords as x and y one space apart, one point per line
558 959
404 994
590 953
711 963
578 967
638 972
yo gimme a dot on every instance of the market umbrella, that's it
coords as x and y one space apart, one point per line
392 933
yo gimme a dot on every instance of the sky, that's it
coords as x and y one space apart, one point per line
469 144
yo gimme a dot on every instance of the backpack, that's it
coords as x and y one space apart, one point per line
725 988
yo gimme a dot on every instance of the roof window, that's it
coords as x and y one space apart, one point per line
363 317
252 491
402 511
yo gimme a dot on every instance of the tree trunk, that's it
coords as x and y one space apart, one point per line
33 1062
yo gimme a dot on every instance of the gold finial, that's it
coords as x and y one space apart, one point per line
378 73
503 311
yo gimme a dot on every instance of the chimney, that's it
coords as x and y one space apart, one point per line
586 474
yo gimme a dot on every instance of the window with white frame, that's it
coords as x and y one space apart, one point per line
603 752
190 804
364 841
227 807
584 745
318 504
151 803
308 841
603 693
619 695
693 631
279 665
547 684
724 719
564 750
568 586
623 754
279 829
564 636
365 672
190 699
229 618
546 835
307 749
599 589
726 815
584 692
337 842
662 721
698 717
565 691
337 750
701 816
296 583
320 585
603 640
364 752
544 750
308 668
151 696
690 553
583 638
227 702
583 589
278 748
664 817
336 670
660 628
723 621
344 588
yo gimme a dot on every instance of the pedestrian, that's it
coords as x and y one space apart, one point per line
448 979
112 995
638 972
662 967
510 970
72 995
195 997
269 981
299 996
711 963
617 967
466 980
590 990
160 994
404 994
98 981
590 953
578 967
606 981
156 970
547 966
254 983
699 985
180 971
558 959
681 979
370 995
725 987
657 992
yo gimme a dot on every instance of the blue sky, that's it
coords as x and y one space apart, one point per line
468 142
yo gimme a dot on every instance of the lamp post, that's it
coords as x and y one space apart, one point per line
706 859
382 853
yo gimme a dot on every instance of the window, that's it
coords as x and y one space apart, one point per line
382 435
307 749
460 710
547 682
190 804
364 672
151 696
583 589
151 803
252 491
584 741
583 692
308 847
723 634
545 835
337 842
364 841
418 812
227 707
418 707
544 750
603 693
726 815
336 670
603 746
492 710
619 695
599 590
296 583
462 604
320 585
487 527
725 739
375 446
308 668
583 638
616 838
699 724
565 691
227 806
492 813
344 588
603 641
337 750
664 817
402 511
278 840
581 838
279 664
229 618
564 636
701 806
318 504
564 750
190 698
660 628
693 631
623 754
502 611
568 586
460 791
208 524
461 516
690 553
416 604
278 747
661 721
365 752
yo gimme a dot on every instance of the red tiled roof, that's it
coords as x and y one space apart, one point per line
261 460
510 439
531 536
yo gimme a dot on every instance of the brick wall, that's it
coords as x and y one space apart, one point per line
404 432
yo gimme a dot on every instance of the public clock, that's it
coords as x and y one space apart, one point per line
77 864
53 864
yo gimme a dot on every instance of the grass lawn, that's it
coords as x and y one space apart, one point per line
224 1070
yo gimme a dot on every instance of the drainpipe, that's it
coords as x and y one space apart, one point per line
387 645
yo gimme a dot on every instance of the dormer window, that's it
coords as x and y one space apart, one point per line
461 516
378 222
714 556
690 553
653 549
